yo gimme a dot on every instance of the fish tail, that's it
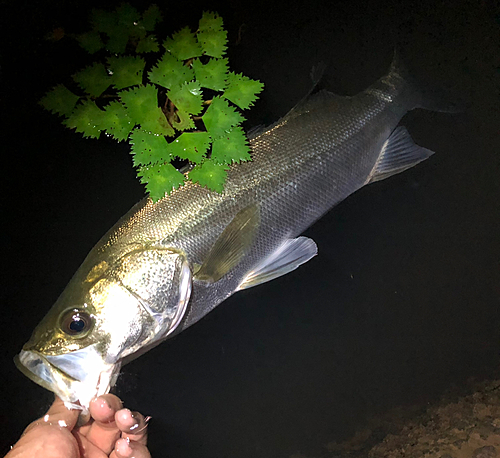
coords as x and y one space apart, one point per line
419 95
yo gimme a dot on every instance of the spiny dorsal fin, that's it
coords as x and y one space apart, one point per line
231 245
286 258
398 154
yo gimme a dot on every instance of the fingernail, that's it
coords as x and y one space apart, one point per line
122 447
135 417
103 404
134 426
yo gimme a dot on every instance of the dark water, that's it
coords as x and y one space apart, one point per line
403 300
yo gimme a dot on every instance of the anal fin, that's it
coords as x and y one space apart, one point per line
286 258
398 154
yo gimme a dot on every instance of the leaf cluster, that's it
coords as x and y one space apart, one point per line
183 108
121 30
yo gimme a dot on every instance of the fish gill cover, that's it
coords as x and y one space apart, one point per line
182 111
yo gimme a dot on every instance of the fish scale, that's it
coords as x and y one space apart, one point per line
302 167
165 265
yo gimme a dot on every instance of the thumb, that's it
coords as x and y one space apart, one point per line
61 414
50 435
58 414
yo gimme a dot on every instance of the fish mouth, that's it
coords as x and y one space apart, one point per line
74 376
41 371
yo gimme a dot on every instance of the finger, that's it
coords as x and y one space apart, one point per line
133 425
129 449
57 415
103 431
103 408
45 441
50 435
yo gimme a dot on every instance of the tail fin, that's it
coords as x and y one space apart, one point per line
435 99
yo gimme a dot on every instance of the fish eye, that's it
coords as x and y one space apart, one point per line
76 323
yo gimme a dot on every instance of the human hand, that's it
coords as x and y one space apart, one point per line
111 432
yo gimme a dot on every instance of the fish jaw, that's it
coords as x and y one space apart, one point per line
139 302
75 377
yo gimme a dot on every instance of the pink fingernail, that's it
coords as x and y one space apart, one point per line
122 447
134 426
103 404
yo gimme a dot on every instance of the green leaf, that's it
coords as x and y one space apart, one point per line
213 74
210 21
126 70
232 147
160 179
148 148
191 146
170 72
183 44
140 101
148 44
137 33
187 97
151 17
156 123
60 100
210 175
118 39
93 79
87 119
116 121
213 42
220 118
90 41
127 14
241 90
103 21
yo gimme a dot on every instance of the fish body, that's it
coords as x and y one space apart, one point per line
165 265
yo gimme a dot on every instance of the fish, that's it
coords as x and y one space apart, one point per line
165 265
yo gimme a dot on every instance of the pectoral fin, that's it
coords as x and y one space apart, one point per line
398 154
286 258
231 245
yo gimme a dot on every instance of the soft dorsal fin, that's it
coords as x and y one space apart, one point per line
307 103
231 245
286 258
398 154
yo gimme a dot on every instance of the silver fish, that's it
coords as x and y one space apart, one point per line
164 266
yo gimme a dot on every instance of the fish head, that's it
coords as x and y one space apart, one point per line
110 310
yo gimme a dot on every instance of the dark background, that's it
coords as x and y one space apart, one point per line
402 302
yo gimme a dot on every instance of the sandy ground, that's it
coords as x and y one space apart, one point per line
457 427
